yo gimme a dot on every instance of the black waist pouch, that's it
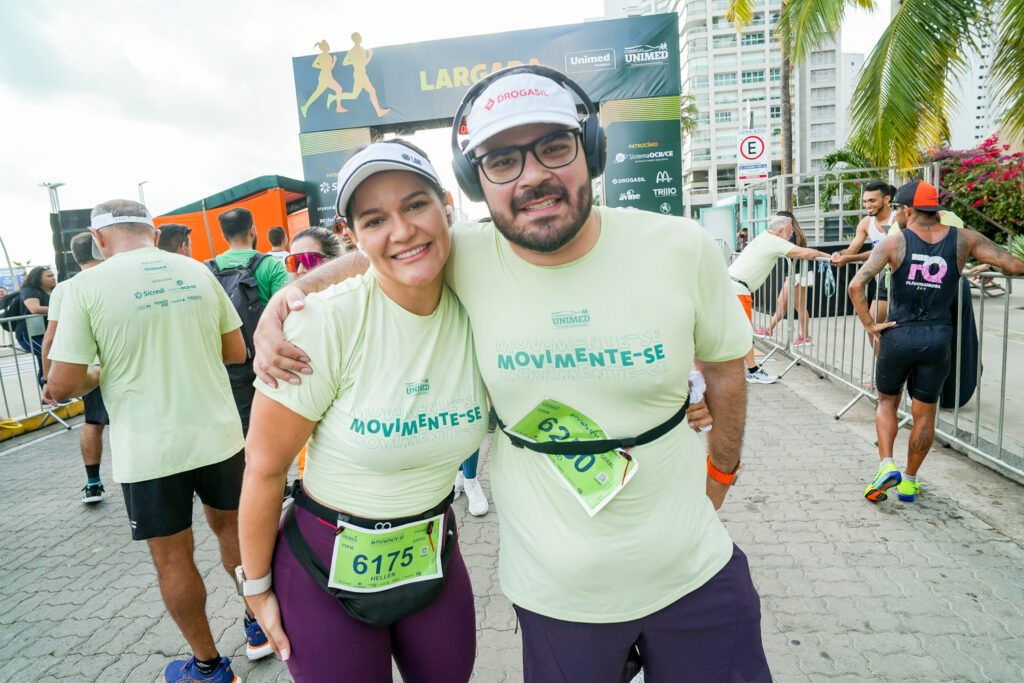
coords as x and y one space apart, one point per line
381 608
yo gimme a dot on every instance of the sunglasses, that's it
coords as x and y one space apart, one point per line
307 259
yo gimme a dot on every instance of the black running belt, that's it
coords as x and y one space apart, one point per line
736 279
598 445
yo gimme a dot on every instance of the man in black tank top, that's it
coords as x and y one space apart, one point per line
926 259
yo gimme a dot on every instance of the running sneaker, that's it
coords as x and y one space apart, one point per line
475 495
186 671
759 376
908 490
92 493
460 484
802 341
887 477
762 333
257 646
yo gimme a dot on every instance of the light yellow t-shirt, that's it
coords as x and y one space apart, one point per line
397 397
756 262
155 320
56 297
613 335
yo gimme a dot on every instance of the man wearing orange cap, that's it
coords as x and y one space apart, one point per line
926 259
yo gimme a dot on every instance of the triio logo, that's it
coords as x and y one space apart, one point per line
629 195
664 192
646 55
416 388
929 268
565 319
663 177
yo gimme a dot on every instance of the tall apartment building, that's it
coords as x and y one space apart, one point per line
978 112
734 80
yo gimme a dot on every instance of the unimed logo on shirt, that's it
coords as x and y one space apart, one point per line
419 387
566 319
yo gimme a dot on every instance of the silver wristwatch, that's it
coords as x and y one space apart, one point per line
247 587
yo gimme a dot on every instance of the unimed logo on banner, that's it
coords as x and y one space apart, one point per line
647 55
590 60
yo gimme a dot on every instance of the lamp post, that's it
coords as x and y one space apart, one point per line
142 197
54 208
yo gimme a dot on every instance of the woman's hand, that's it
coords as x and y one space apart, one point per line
268 613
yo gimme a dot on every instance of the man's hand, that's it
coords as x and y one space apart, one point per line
276 358
716 492
838 258
268 612
874 330
698 415
47 397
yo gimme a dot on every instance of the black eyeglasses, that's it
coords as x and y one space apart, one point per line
554 150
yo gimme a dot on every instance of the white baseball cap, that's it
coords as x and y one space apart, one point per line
374 158
516 100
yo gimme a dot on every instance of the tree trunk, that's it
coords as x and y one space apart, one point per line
787 131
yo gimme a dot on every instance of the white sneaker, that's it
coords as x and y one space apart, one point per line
475 495
761 377
460 480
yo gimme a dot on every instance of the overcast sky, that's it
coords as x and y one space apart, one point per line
195 97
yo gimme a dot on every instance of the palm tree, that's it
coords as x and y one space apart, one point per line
688 113
901 105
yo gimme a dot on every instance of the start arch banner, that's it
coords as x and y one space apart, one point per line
340 96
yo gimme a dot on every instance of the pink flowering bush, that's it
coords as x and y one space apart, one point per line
983 187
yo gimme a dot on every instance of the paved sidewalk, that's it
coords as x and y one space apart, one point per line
931 590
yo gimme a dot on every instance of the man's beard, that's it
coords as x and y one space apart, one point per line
542 235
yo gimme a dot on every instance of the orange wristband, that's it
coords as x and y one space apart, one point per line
720 476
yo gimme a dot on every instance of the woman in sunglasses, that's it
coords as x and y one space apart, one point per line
309 249
366 564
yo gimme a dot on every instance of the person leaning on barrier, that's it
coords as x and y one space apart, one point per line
875 227
915 344
576 294
96 418
35 298
163 327
753 266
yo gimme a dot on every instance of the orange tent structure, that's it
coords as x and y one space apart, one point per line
273 200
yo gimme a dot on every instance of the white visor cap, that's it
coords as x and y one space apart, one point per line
380 156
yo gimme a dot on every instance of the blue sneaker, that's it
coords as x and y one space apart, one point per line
257 646
185 671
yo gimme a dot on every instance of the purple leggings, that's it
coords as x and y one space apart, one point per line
711 634
435 645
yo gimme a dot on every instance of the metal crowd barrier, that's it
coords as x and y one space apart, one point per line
838 347
19 388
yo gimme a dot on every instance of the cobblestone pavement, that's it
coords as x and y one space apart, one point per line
930 590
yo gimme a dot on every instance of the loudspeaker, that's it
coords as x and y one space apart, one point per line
65 226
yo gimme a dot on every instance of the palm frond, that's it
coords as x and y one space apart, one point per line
740 13
811 23
1008 68
901 104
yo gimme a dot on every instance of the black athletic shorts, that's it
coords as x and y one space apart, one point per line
882 291
163 507
95 411
243 392
925 368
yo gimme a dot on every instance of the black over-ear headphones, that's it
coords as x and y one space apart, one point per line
594 143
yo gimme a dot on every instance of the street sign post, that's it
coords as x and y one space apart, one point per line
754 160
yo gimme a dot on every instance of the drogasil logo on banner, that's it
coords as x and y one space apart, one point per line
514 95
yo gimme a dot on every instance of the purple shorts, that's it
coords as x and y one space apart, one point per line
435 645
711 634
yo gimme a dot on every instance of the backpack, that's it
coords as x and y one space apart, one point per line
240 284
11 306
